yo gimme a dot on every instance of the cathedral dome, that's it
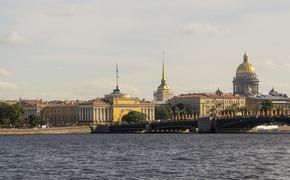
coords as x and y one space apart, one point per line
246 68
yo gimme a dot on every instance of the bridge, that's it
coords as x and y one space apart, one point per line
241 124
203 125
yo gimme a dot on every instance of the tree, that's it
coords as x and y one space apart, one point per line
188 110
175 111
181 108
163 113
16 115
34 121
134 117
11 115
267 105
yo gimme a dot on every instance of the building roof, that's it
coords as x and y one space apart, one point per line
272 96
61 105
210 96
245 67
34 102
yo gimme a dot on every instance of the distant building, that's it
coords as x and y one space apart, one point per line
204 104
10 102
113 107
61 114
246 82
280 101
163 92
32 107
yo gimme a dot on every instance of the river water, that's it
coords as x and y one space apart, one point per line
145 156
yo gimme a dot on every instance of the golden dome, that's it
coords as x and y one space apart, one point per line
246 67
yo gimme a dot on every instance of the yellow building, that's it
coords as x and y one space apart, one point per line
205 104
113 107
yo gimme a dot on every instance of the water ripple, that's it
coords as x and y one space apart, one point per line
150 156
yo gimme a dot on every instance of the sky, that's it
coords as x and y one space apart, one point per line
68 49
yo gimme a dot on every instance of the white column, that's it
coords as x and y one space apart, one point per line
101 115
105 115
98 115
87 114
95 115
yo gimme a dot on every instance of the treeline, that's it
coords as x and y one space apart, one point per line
11 115
173 111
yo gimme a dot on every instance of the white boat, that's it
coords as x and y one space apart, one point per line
265 129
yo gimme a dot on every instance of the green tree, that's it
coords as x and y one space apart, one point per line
134 117
16 115
175 111
189 110
181 108
11 115
34 121
163 113
267 105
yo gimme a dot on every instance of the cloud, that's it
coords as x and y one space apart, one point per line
203 28
282 87
70 9
13 38
278 65
4 72
7 86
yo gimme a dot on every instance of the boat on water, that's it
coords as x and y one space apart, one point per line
267 129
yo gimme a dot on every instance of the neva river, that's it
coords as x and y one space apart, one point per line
146 156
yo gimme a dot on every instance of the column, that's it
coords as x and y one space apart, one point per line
95 114
101 115
87 114
149 115
105 115
98 115
80 115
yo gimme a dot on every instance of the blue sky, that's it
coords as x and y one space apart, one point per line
67 49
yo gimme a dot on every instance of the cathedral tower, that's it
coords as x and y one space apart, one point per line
246 81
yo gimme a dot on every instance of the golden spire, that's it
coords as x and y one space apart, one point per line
163 68
245 57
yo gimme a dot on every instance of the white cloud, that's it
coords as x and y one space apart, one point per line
4 72
203 28
282 87
13 38
278 65
7 86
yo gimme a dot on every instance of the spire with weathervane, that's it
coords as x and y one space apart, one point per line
117 92
117 79
163 92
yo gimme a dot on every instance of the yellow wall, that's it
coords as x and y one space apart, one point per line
119 112
125 101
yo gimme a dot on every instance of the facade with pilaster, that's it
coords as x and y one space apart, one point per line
111 110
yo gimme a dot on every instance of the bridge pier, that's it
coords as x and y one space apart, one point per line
207 125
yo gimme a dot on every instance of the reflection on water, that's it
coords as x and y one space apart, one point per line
146 156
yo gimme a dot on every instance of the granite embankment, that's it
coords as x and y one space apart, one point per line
64 130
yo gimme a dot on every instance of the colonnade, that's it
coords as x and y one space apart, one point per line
106 114
96 114
150 113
